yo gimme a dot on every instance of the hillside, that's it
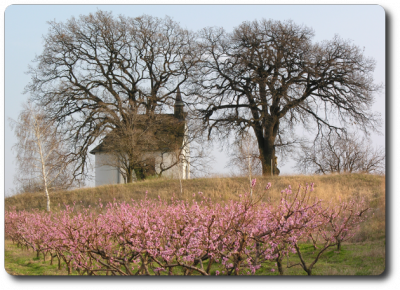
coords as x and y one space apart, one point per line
327 187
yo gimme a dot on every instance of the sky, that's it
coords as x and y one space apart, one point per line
364 25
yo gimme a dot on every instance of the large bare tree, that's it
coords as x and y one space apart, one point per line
269 76
98 72
43 156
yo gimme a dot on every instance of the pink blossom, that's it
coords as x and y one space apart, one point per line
182 231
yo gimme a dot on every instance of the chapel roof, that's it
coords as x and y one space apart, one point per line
161 132
165 134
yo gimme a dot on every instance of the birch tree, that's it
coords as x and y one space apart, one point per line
42 154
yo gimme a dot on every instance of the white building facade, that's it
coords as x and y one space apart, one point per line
108 174
106 171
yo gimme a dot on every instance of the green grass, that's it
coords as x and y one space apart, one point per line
367 258
19 261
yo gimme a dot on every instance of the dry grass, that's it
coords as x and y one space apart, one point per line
327 187
333 187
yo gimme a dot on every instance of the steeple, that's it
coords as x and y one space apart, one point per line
178 107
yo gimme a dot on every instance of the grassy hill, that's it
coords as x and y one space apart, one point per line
334 187
363 255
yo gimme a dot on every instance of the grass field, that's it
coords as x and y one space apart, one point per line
364 255
366 258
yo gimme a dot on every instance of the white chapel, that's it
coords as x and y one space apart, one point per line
111 174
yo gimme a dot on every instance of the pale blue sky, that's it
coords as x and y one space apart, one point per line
25 25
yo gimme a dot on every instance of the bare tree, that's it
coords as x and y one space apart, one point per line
98 72
245 156
42 154
346 154
270 77
201 159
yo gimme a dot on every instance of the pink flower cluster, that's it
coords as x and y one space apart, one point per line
154 237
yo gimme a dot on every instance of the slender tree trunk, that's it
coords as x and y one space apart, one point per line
47 197
44 174
180 178
339 245
279 265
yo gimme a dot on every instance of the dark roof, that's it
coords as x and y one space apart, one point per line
166 135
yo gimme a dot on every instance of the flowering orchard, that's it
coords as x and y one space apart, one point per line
155 237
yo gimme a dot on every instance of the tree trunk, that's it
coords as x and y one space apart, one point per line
48 198
44 174
279 265
129 177
268 158
266 135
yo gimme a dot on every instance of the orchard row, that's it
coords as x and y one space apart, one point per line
155 237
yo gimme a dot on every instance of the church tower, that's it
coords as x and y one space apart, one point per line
178 107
